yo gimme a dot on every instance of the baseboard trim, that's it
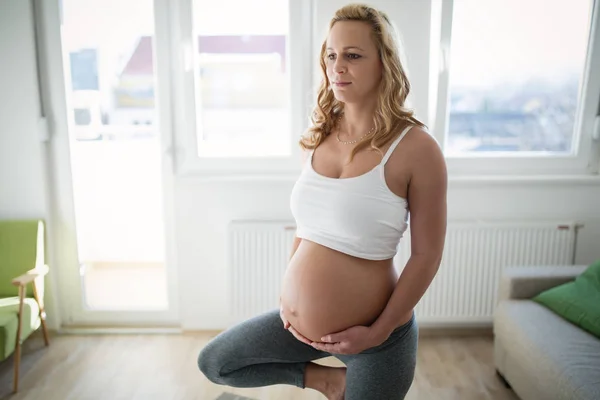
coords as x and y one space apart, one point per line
479 331
430 331
424 331
106 330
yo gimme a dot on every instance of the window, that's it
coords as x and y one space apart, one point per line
109 70
242 80
110 77
231 83
517 87
244 90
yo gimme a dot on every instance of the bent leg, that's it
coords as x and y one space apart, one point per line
257 352
385 371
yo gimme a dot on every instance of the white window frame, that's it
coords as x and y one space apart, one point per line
584 161
184 149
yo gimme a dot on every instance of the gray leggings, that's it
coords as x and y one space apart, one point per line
260 352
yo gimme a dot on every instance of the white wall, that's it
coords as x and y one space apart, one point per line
21 178
23 192
203 209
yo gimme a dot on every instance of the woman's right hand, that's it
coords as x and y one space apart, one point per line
289 327
299 336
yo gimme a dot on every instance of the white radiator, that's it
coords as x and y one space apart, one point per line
258 255
463 292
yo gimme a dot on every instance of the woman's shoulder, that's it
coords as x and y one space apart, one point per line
426 157
419 139
418 149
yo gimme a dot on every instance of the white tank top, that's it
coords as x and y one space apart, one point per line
359 216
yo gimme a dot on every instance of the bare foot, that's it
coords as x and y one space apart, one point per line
331 381
336 386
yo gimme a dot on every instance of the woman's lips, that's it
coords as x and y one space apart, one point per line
341 84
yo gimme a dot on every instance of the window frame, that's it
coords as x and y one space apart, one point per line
585 159
187 161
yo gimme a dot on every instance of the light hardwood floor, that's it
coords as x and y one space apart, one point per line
163 367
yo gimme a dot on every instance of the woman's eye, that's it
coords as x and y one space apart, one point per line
351 56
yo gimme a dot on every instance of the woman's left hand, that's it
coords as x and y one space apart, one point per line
350 341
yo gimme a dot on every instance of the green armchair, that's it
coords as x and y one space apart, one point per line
22 272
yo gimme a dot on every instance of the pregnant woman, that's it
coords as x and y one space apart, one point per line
368 165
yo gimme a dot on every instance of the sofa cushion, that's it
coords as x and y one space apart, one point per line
553 349
9 308
577 301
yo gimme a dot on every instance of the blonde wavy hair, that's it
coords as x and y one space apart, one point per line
390 112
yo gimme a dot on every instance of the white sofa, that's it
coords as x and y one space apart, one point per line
536 352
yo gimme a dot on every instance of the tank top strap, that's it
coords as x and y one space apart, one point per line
308 160
388 153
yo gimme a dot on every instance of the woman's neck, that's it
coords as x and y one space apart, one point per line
357 120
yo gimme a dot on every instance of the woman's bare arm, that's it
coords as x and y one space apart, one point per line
427 203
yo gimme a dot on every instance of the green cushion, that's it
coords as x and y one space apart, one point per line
9 308
21 247
577 301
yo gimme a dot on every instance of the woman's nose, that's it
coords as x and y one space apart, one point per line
339 66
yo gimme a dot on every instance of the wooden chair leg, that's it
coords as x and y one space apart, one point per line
42 313
45 328
18 344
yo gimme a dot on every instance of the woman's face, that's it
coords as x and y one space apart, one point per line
352 60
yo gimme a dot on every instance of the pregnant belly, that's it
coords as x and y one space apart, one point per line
325 291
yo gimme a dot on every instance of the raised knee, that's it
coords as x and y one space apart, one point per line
209 365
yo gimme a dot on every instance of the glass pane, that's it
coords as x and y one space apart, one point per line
242 90
115 155
515 75
110 63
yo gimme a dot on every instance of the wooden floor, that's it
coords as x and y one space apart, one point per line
163 367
